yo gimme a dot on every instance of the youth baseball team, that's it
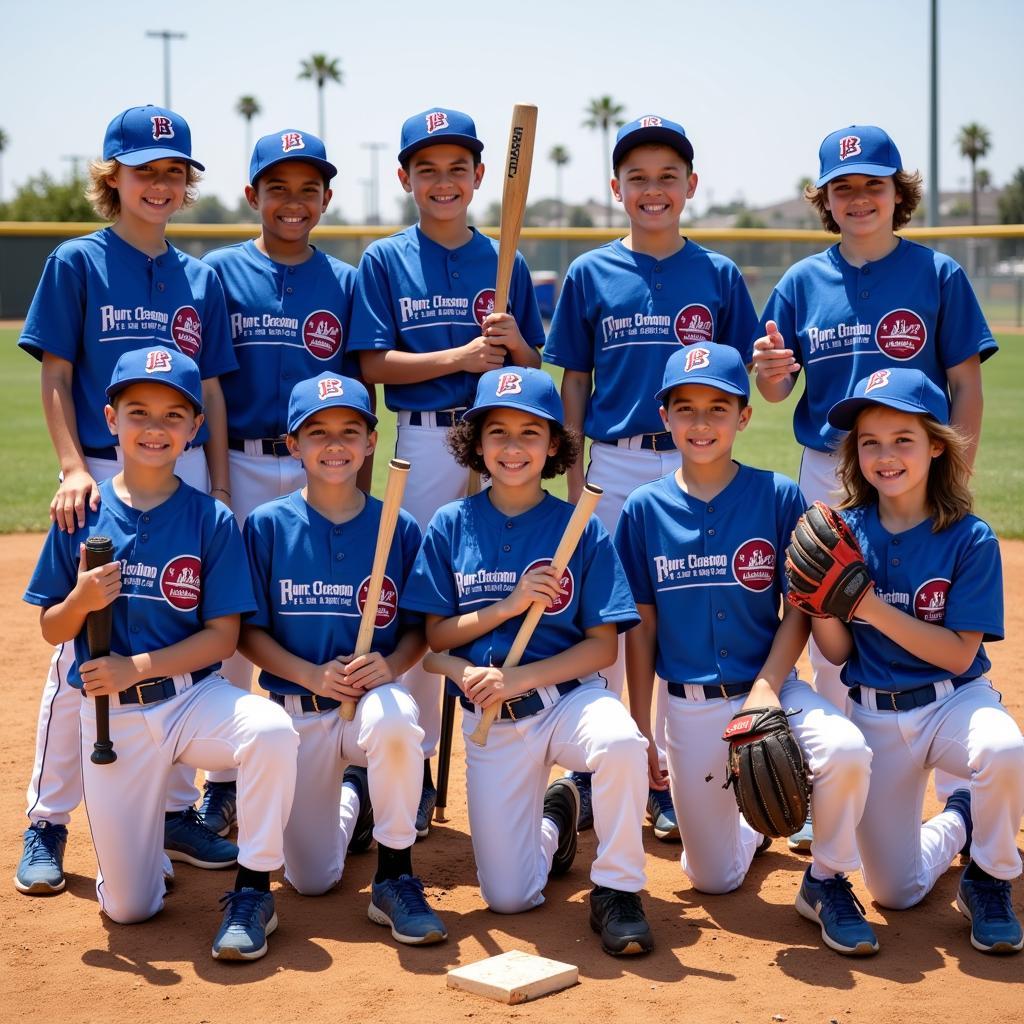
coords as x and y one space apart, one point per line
216 419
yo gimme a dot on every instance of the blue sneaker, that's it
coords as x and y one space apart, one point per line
800 842
987 905
219 807
960 802
399 903
249 917
585 790
186 838
835 907
425 811
663 815
362 834
41 868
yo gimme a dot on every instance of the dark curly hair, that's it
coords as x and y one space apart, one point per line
909 188
464 438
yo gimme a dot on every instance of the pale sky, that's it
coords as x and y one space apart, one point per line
757 85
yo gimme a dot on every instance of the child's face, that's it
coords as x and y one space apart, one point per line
653 186
153 423
290 198
332 445
151 192
515 446
861 204
704 422
442 180
895 452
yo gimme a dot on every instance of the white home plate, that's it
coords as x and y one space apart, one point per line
513 977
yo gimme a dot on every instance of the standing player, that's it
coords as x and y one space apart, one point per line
176 588
121 288
702 546
289 306
914 661
484 561
871 302
624 309
311 554
425 327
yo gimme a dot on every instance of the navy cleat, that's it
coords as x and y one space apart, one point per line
583 787
834 905
425 811
399 903
619 918
187 839
249 917
959 801
219 807
988 906
41 868
663 815
562 806
362 833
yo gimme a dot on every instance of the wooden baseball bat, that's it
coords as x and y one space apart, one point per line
566 546
398 472
100 551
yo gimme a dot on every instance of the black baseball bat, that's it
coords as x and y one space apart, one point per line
444 753
99 551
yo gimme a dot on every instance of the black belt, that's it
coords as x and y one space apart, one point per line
152 691
525 704
905 700
310 701
712 692
110 453
658 442
271 445
442 417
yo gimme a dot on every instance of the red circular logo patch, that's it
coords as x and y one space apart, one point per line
930 600
901 334
321 334
694 325
568 585
753 564
387 605
187 330
180 582
483 305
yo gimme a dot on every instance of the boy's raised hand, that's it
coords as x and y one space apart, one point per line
96 588
773 362
540 584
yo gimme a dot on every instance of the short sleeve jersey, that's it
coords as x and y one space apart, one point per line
182 564
288 323
914 307
621 314
311 578
714 571
952 579
99 297
416 296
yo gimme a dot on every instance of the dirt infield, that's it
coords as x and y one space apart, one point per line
743 957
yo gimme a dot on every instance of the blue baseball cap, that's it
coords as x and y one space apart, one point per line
328 391
898 388
438 127
651 129
713 365
522 387
289 144
859 149
158 366
141 134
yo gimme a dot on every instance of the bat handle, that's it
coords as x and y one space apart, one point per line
483 727
99 551
347 710
103 749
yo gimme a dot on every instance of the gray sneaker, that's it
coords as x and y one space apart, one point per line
41 868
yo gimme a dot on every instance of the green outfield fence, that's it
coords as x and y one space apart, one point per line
993 255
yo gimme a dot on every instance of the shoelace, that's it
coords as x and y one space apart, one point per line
192 822
409 892
215 797
663 798
844 903
994 897
622 905
244 904
43 847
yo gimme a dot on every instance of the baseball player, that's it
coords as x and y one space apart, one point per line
177 586
425 327
484 561
311 554
872 301
289 306
915 667
623 310
122 288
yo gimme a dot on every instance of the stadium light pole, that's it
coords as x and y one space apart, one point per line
374 148
166 35
933 121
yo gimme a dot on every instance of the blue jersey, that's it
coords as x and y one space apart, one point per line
620 316
182 564
714 571
953 579
417 296
473 556
914 307
100 296
288 323
311 578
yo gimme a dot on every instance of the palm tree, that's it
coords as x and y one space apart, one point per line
248 107
4 139
974 141
322 69
604 113
559 156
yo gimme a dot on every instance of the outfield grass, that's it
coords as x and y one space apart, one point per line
28 470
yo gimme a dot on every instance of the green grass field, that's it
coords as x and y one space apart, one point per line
27 464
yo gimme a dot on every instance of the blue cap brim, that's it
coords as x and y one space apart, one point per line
874 170
371 420
144 156
709 382
659 136
323 166
843 415
444 139
196 401
536 410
